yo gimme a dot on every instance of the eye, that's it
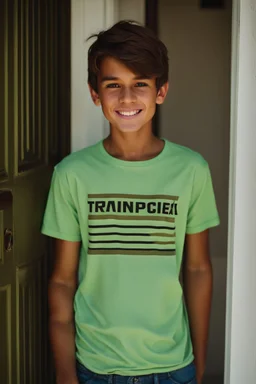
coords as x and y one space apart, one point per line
140 84
113 85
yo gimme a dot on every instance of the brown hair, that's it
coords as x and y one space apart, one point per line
135 46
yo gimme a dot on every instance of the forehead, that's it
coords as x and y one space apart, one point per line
113 68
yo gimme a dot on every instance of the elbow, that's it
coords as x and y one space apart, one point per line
200 268
61 301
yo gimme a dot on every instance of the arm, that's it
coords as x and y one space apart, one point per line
197 278
62 288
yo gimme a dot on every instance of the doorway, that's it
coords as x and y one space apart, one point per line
196 114
191 116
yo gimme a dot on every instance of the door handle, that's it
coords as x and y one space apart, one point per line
6 203
8 240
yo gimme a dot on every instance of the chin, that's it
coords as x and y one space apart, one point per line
129 129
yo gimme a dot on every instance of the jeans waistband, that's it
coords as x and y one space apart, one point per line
120 379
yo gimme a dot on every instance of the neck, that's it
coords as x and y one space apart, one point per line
133 146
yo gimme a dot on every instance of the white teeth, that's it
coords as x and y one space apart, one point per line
131 113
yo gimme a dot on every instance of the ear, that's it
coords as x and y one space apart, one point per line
94 95
162 92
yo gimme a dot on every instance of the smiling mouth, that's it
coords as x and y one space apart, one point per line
129 113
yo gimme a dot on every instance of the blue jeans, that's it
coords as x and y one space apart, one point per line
186 375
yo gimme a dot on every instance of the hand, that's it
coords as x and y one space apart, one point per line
200 369
68 381
199 378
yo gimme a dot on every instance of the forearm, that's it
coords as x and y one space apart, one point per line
198 295
62 332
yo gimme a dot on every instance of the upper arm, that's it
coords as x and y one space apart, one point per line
61 217
66 262
197 255
202 212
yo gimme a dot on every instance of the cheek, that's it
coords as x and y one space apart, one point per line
109 97
150 101
108 104
147 96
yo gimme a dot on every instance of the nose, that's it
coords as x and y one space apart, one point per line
127 95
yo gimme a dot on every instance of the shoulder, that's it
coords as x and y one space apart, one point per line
78 160
186 157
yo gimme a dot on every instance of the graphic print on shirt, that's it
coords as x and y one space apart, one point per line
127 224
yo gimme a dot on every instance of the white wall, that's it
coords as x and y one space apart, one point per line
196 114
241 312
88 124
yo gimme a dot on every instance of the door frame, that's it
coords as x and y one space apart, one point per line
232 177
240 335
231 342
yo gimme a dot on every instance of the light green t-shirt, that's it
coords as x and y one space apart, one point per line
131 217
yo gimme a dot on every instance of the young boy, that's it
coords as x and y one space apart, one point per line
122 212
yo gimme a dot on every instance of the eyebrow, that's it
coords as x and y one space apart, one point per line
113 78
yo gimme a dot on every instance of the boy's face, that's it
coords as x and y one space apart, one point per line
128 100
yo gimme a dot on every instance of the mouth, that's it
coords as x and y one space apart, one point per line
129 114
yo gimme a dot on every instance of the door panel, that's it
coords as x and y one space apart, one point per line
32 309
7 291
3 94
33 139
5 333
29 201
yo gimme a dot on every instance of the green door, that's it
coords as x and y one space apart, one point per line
34 135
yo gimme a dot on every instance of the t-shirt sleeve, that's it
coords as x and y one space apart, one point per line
61 218
202 212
